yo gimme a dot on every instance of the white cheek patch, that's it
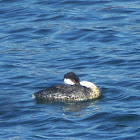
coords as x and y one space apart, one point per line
68 82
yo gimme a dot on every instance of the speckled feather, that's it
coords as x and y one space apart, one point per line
64 92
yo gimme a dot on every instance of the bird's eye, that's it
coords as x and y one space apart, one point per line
74 81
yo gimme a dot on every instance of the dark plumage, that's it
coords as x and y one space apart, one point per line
64 92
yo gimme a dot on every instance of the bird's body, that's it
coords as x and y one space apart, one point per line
69 92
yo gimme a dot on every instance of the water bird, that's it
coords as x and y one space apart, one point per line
72 90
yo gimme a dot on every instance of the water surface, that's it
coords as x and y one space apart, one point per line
41 40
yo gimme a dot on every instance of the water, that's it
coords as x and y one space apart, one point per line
41 40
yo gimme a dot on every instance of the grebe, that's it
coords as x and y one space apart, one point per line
72 90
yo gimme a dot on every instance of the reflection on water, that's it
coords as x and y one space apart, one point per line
72 106
77 106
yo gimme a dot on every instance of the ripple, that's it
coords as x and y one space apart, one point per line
43 40
126 118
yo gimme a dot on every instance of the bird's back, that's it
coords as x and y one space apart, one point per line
64 92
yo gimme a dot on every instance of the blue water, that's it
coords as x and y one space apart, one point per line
41 40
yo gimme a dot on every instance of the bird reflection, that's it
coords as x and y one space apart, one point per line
77 106
73 106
